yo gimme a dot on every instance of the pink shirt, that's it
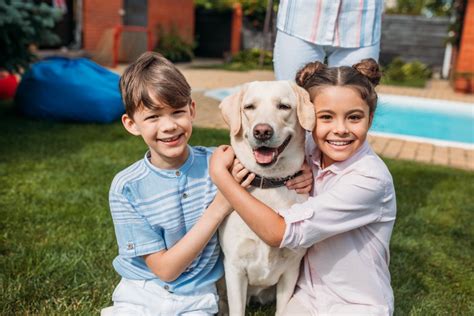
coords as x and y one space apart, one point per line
346 224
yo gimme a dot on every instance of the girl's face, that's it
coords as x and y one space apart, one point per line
342 123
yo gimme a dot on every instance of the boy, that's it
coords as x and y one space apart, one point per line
164 207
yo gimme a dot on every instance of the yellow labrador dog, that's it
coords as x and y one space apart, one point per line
267 123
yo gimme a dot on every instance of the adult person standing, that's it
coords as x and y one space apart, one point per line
343 32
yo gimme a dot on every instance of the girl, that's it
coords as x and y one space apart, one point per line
347 223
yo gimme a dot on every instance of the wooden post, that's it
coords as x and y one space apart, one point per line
266 29
236 29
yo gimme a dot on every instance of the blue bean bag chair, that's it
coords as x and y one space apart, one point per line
64 89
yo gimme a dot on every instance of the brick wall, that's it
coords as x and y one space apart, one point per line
166 14
98 16
465 60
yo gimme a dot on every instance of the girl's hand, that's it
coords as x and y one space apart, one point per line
242 175
302 183
221 161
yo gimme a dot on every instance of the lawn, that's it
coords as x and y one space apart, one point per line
57 240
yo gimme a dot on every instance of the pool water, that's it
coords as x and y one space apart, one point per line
430 119
436 121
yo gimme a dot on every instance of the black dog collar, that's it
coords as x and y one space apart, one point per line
267 183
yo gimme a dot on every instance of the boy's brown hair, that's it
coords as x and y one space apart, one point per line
150 79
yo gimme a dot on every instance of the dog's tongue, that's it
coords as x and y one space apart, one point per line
264 156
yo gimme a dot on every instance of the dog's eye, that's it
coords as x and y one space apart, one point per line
282 106
249 107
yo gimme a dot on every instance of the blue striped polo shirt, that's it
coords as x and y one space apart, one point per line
338 23
152 209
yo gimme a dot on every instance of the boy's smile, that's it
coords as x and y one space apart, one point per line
342 123
166 131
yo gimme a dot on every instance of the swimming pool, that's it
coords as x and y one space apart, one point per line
440 122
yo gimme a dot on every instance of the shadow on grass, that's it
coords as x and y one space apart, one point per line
432 239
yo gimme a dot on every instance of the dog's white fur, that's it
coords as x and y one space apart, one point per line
251 265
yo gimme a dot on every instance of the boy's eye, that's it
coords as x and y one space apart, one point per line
325 117
249 107
179 112
152 117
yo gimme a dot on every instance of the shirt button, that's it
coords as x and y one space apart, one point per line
185 195
178 173
130 246
166 287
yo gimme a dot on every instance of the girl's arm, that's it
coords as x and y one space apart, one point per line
263 220
357 200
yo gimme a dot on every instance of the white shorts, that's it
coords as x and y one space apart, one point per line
141 297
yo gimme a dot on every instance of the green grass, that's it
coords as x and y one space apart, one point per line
57 240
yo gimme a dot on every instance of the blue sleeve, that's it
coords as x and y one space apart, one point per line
135 236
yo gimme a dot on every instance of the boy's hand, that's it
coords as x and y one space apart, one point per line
242 175
302 183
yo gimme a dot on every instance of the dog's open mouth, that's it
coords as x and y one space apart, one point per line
266 156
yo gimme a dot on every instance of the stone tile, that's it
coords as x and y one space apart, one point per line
379 144
457 157
440 155
392 149
470 159
424 153
408 151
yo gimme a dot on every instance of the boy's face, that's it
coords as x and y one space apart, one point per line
165 130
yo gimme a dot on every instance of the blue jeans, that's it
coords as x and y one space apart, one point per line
291 54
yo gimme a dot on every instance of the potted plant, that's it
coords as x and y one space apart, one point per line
464 82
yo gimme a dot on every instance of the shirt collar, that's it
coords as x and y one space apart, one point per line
171 173
337 167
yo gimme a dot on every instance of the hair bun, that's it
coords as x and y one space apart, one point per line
305 73
370 69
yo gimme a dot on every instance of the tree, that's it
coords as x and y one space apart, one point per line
22 24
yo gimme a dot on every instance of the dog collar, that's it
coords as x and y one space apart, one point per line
267 183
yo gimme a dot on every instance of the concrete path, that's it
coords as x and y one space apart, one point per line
208 114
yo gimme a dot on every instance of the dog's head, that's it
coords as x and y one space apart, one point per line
267 120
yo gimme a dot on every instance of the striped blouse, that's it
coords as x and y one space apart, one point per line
339 23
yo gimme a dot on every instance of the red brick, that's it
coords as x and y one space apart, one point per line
98 16
466 49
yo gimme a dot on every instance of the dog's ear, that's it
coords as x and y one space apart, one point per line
230 109
304 108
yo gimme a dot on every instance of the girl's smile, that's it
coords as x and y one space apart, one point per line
342 123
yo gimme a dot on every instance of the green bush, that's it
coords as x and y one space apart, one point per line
253 10
171 45
214 4
251 57
399 72
21 25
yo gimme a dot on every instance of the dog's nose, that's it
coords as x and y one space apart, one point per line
262 132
